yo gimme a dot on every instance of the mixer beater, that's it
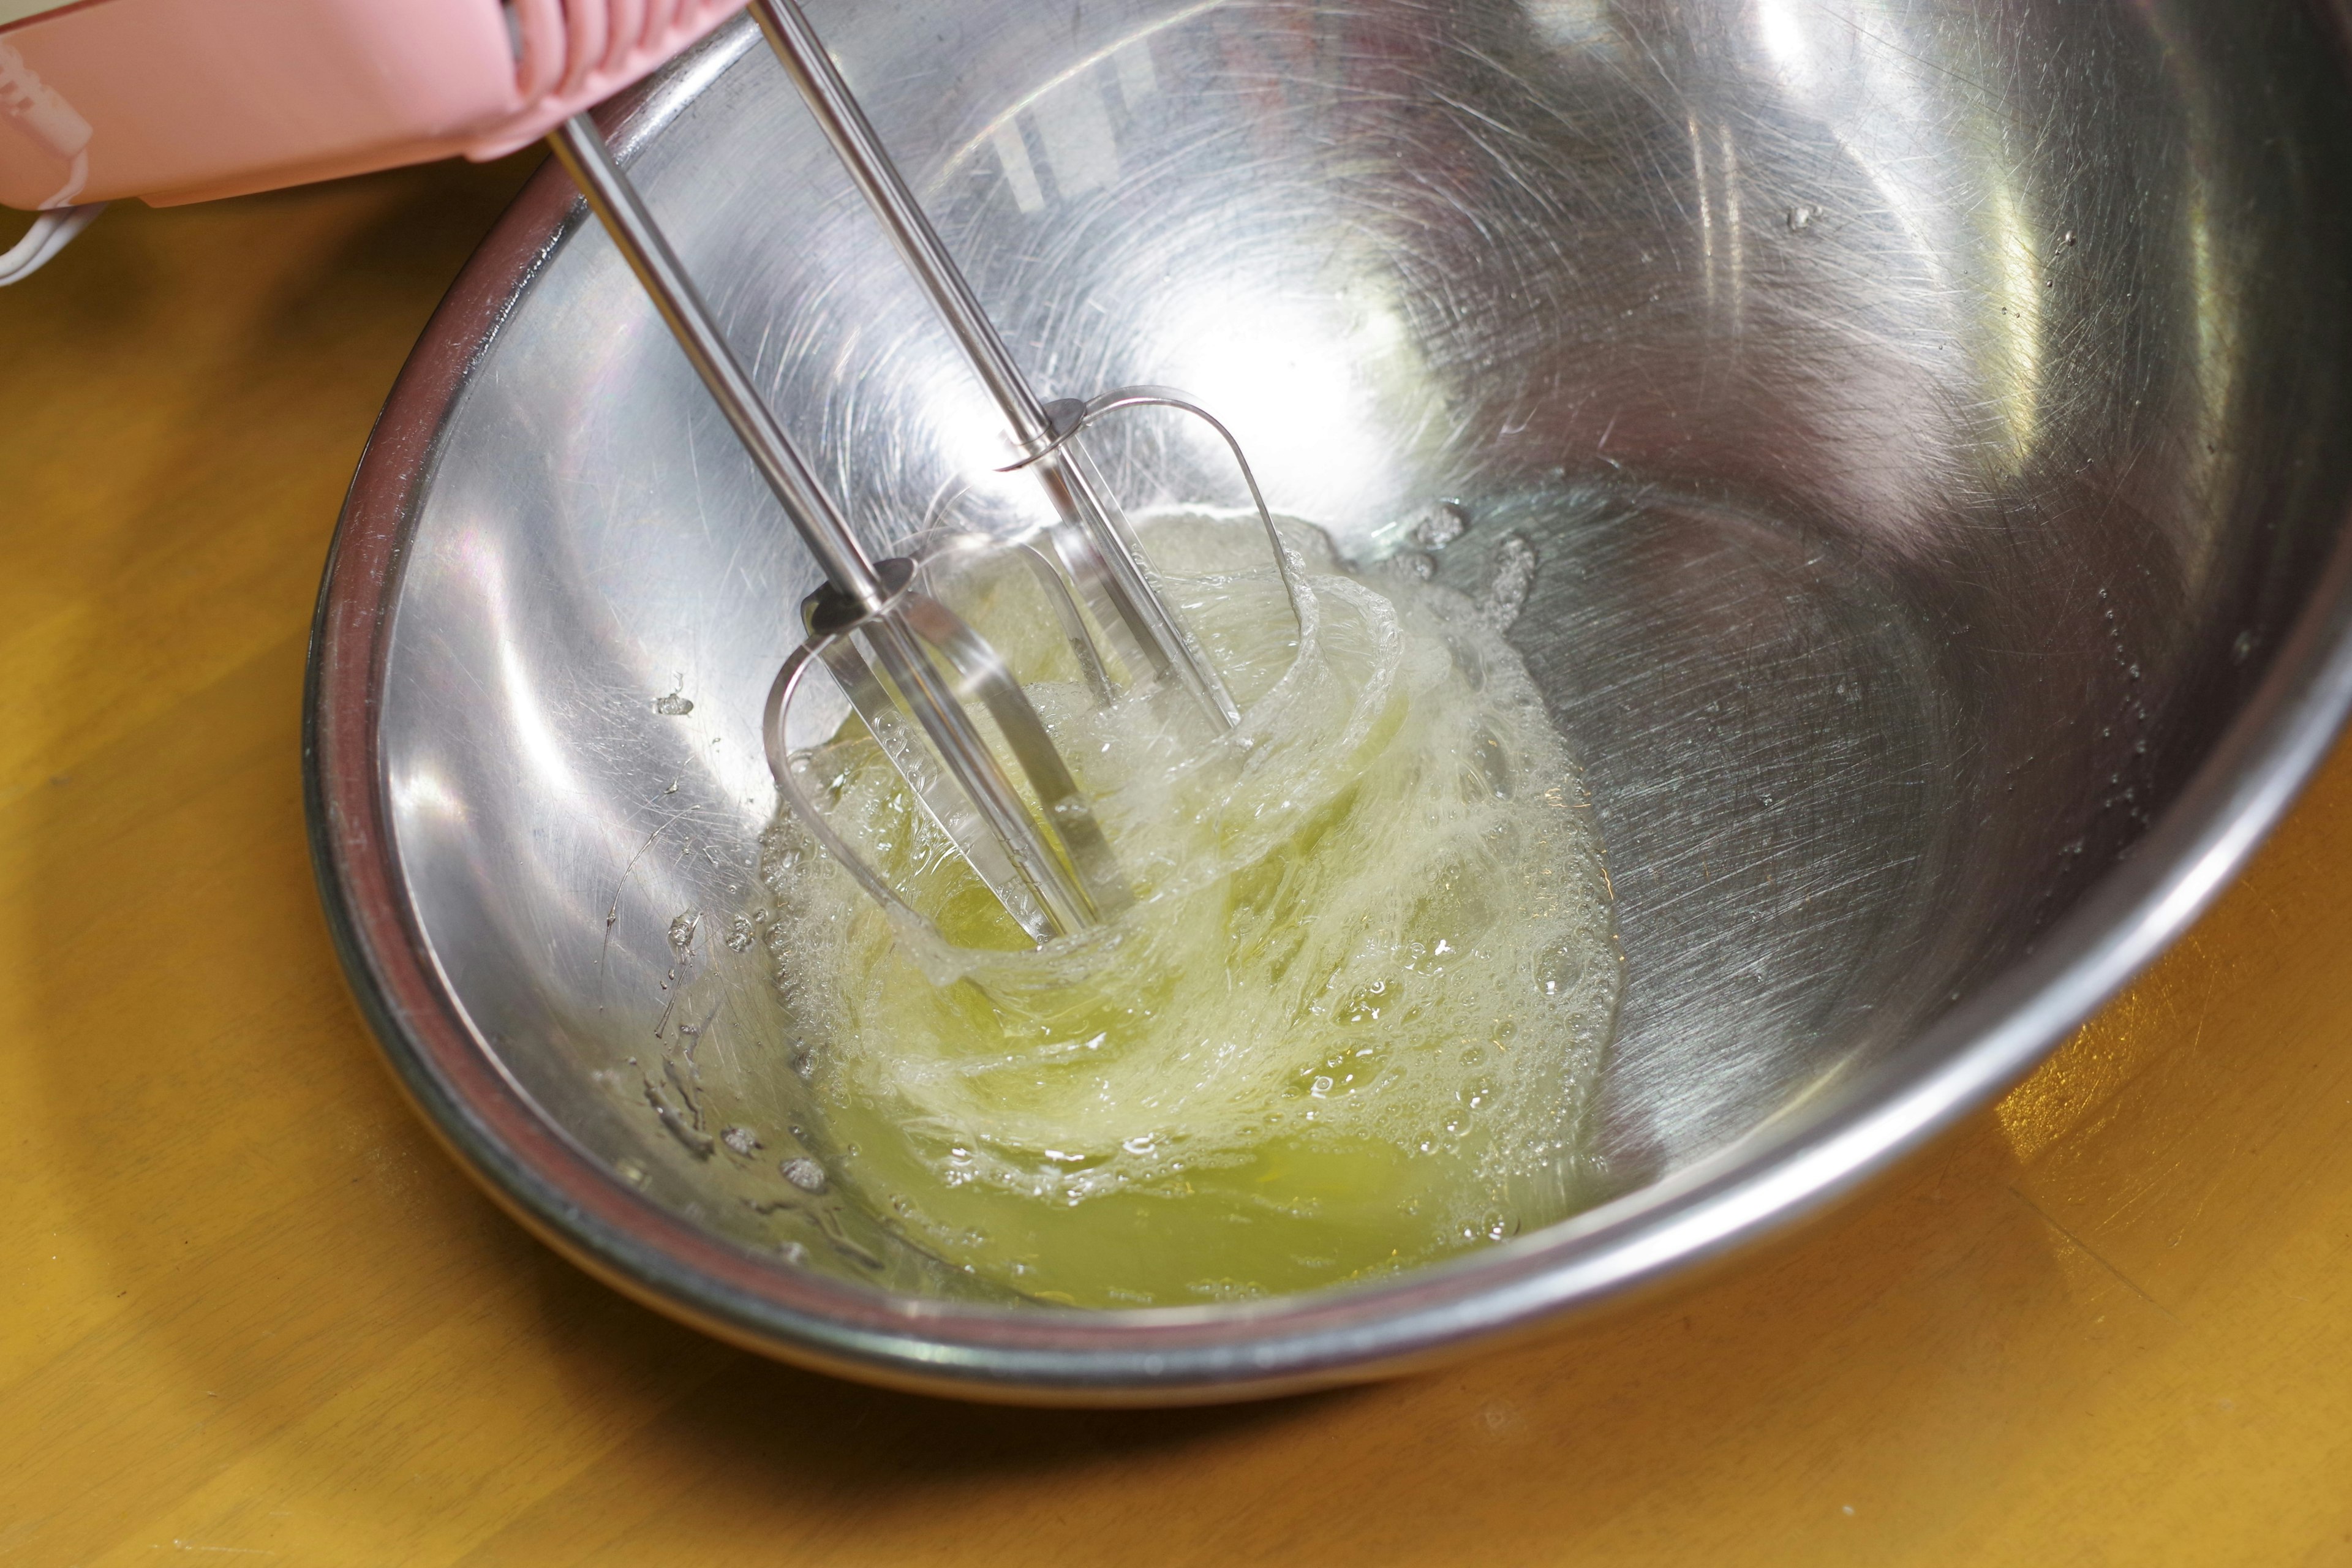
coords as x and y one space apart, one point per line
912 670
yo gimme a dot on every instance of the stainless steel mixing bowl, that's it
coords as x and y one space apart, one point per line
1928 418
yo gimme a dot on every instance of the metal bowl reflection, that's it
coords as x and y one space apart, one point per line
1927 416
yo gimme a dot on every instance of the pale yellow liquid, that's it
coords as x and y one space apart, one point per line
1352 1024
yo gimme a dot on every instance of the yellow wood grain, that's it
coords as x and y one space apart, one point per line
251 1313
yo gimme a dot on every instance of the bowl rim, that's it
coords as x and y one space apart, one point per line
1798 1163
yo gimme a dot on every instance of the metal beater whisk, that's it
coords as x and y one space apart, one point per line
912 668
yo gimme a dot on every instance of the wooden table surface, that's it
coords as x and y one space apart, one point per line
250 1308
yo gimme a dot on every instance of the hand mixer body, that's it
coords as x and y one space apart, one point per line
182 100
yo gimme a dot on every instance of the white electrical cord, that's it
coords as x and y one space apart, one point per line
35 108
51 232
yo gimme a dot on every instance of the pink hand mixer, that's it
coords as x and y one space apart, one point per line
182 101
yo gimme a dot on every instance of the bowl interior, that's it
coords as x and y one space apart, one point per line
1925 416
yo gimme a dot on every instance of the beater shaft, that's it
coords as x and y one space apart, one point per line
1096 546
580 147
